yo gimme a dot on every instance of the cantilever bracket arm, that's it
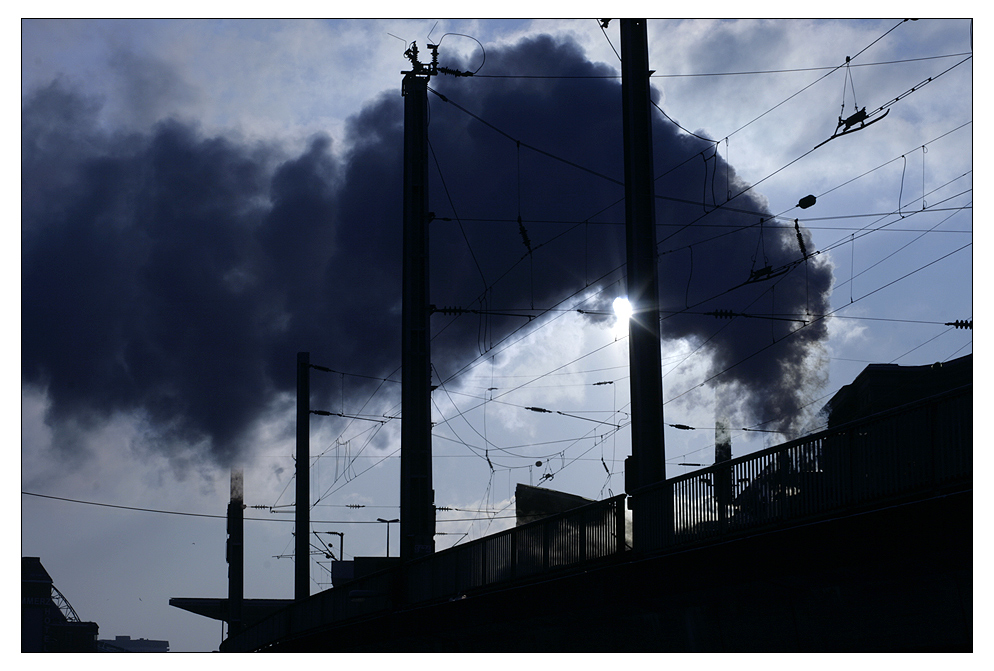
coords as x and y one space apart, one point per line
849 130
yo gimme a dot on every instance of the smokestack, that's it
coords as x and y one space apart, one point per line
722 440
722 453
235 551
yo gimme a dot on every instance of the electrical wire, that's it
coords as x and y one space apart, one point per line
452 205
763 349
675 75
609 178
186 514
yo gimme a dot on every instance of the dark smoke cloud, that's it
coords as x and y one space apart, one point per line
177 275
709 254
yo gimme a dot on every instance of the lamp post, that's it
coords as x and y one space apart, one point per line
388 523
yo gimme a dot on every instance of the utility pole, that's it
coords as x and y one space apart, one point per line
647 465
302 533
417 498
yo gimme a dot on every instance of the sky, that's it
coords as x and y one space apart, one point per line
201 200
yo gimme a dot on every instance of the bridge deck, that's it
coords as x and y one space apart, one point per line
857 538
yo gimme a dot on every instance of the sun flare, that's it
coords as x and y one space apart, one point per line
622 313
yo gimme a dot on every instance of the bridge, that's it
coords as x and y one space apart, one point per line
857 538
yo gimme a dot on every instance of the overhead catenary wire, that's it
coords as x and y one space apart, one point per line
445 188
616 181
719 373
186 514
878 38
739 73
498 401
450 378
791 333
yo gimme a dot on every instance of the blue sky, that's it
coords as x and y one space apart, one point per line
203 199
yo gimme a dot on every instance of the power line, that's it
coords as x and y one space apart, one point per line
615 180
846 64
705 381
763 349
769 224
250 519
176 512
677 75
452 205
525 144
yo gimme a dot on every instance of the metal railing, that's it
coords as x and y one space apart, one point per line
552 544
918 447
921 447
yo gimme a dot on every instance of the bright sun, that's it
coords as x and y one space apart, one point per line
623 312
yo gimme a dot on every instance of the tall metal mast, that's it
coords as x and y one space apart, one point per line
648 463
417 498
302 532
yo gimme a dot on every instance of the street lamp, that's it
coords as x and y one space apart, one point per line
388 523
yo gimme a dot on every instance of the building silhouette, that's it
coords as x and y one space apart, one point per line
128 644
856 538
48 621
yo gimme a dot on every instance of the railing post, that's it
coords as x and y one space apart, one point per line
583 538
619 524
852 493
545 546
483 561
783 460
514 554
933 423
722 494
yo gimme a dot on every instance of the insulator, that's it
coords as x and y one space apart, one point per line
806 202
524 235
961 324
800 239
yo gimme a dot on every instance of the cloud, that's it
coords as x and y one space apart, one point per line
175 273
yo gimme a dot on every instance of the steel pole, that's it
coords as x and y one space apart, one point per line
647 465
417 498
302 550
643 274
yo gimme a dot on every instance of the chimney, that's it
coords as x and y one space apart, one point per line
722 440
235 555
722 454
